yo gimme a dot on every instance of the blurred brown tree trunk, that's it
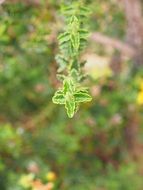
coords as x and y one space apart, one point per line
134 18
134 34
134 37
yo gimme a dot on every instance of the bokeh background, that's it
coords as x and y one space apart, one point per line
101 148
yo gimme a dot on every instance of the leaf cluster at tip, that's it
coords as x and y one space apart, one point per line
71 95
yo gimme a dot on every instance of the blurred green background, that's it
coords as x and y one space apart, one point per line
101 147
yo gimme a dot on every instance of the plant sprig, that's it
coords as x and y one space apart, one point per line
71 42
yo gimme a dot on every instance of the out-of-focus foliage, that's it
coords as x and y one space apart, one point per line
40 148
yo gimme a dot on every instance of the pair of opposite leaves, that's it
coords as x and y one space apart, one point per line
71 95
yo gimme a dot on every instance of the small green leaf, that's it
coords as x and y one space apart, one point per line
75 39
58 98
82 97
62 62
75 75
84 11
63 38
68 85
60 77
70 106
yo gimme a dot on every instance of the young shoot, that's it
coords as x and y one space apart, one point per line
71 42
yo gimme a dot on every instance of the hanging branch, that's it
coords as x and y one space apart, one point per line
71 42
